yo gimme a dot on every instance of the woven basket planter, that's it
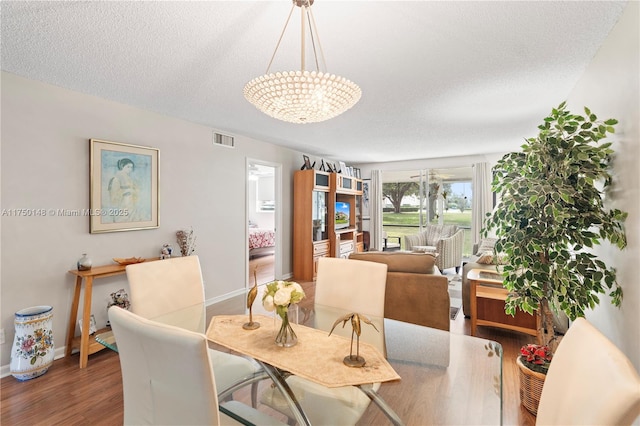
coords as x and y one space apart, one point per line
531 383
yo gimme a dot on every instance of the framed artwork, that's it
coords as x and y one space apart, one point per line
92 324
124 186
365 198
307 163
343 168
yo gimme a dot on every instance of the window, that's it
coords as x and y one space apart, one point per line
416 197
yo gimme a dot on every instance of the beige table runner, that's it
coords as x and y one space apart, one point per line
316 357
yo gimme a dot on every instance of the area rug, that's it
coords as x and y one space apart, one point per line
453 312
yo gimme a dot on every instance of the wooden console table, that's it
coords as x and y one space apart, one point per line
487 305
86 343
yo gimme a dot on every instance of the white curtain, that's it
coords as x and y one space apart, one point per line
482 198
375 206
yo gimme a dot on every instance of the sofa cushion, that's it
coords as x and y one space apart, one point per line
417 263
485 258
486 244
491 258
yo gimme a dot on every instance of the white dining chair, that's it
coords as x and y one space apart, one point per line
589 382
168 377
161 287
352 286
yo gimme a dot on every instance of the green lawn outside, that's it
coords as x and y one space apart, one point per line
401 224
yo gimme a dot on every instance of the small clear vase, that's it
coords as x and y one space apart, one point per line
286 337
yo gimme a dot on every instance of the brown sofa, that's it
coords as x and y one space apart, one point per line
416 291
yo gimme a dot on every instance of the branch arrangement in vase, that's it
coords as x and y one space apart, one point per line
186 241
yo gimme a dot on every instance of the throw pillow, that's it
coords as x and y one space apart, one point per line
486 244
486 258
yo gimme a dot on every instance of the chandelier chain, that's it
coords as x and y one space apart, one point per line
312 28
280 39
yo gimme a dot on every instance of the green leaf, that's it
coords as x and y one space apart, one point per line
566 197
551 195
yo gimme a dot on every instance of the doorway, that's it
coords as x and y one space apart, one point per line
263 217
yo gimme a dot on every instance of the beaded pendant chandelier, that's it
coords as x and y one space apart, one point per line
302 96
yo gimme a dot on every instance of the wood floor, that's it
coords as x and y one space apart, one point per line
66 395
264 269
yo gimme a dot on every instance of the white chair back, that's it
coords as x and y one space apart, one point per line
167 375
171 291
353 285
160 287
589 382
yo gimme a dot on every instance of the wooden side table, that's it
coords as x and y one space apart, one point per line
487 305
86 343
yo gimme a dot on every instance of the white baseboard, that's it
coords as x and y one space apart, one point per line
59 352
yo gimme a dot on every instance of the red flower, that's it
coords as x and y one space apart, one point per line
536 354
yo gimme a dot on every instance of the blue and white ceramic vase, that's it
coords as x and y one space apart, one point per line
32 352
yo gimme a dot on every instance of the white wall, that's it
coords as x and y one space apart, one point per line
610 88
45 164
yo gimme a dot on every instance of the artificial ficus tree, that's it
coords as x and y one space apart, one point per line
551 212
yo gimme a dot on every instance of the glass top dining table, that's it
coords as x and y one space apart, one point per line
445 378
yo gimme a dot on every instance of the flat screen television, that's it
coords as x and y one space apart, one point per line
343 210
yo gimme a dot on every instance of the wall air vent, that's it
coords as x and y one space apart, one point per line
223 140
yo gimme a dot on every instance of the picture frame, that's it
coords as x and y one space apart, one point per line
124 187
92 325
329 167
307 163
365 199
343 167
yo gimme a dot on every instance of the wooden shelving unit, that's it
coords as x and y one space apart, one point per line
310 222
345 189
314 222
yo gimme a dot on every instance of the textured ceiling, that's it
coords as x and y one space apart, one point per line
439 78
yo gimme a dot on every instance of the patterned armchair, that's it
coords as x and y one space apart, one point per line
448 241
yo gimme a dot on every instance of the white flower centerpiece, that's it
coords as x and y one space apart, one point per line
278 296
